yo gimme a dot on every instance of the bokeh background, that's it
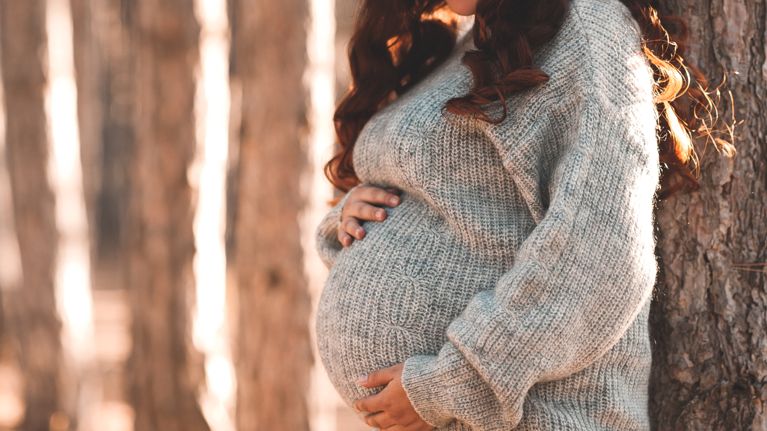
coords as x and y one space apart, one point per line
163 181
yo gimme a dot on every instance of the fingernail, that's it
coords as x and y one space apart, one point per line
394 200
380 214
360 231
362 379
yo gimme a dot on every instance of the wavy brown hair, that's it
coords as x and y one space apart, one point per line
397 42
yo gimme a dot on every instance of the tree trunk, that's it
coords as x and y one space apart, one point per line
165 371
273 357
88 70
104 83
709 317
31 307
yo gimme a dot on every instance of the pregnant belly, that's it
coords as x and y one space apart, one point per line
392 295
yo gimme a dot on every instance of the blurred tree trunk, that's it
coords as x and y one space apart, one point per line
31 307
104 82
273 356
104 79
710 312
88 74
165 370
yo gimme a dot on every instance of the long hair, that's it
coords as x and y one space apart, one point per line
397 42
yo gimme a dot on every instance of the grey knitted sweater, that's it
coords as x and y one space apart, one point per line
515 276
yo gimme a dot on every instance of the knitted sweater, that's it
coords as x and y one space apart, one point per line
514 278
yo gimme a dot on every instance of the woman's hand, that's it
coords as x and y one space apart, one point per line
360 206
389 409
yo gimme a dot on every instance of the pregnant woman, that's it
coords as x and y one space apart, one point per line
508 284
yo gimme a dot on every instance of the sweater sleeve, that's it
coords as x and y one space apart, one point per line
325 234
577 282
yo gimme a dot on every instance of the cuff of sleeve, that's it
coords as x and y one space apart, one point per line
446 387
326 233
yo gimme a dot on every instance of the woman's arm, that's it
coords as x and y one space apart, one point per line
578 280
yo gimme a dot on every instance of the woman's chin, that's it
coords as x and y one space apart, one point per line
463 12
462 7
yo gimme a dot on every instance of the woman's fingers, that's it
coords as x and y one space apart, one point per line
351 226
378 195
356 211
364 211
361 207
380 420
344 238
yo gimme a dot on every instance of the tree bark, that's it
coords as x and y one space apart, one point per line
31 307
164 369
709 315
273 357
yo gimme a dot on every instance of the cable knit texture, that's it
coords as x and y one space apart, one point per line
514 278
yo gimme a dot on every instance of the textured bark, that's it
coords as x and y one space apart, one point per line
31 307
164 369
273 357
710 312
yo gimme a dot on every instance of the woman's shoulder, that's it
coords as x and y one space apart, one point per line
597 70
595 57
598 51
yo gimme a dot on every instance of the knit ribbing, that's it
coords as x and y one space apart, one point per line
514 277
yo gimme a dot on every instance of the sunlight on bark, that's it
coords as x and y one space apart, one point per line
323 399
73 283
210 331
73 268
